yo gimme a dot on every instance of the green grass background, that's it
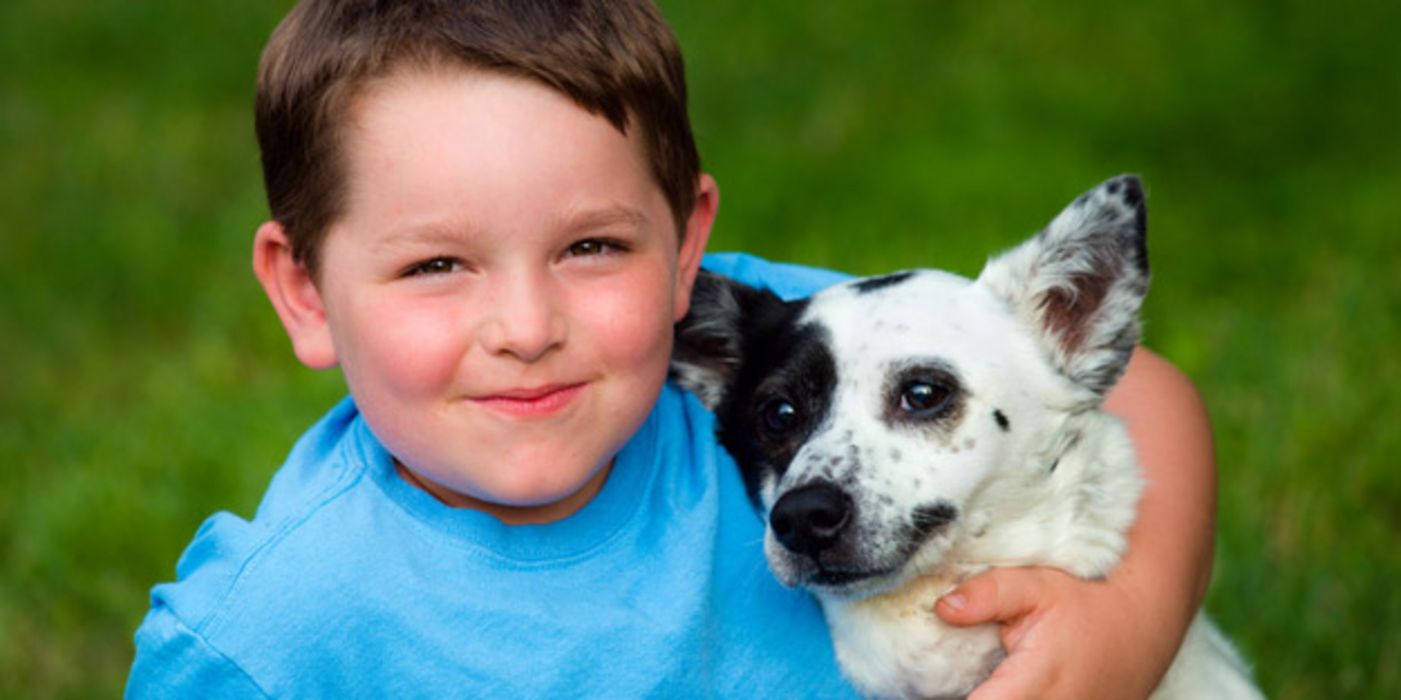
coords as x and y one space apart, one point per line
145 383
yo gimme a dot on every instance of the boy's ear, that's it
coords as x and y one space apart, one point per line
293 293
688 258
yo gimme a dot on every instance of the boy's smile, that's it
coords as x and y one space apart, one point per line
501 287
526 403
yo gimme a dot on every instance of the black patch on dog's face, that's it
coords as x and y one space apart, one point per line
1002 421
871 284
781 392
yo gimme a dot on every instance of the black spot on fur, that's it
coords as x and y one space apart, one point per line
871 284
1140 248
1133 192
1132 189
1002 421
929 519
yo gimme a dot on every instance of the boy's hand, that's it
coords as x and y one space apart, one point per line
1065 637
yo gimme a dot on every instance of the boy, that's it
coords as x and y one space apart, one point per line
489 215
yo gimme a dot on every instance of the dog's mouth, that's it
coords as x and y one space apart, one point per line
817 539
839 578
852 578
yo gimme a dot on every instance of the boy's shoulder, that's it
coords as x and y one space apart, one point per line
242 583
325 462
787 280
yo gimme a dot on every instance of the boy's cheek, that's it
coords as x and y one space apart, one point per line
402 346
632 321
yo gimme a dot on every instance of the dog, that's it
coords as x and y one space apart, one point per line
901 433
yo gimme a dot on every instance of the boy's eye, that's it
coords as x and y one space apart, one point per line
433 266
593 246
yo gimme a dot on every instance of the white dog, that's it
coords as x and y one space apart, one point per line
902 433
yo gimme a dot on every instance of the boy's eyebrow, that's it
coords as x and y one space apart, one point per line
418 234
605 216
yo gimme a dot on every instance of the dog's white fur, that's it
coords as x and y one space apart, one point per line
1035 342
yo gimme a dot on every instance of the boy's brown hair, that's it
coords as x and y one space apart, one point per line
615 58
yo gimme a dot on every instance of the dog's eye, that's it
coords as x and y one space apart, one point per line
778 416
922 398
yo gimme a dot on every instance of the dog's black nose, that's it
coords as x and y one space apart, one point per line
808 520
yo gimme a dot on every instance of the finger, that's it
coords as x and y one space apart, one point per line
999 595
1018 676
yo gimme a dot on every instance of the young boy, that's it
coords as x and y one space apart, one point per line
488 215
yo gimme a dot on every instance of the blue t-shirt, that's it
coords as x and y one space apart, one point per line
350 582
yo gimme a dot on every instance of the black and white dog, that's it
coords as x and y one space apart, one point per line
901 433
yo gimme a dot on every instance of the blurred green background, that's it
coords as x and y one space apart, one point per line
145 383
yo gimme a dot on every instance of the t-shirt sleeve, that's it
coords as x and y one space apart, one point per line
787 280
173 661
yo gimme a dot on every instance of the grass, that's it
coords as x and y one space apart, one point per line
146 384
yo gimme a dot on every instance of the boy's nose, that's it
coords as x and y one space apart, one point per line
524 320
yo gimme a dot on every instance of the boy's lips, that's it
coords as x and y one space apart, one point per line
532 401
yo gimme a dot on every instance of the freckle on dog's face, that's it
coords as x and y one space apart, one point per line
863 412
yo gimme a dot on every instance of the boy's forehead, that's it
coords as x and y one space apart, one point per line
388 96
477 106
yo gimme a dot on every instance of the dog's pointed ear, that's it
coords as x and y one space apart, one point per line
710 340
1080 282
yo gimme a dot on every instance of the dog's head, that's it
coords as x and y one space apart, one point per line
879 420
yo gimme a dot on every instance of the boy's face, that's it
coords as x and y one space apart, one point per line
501 288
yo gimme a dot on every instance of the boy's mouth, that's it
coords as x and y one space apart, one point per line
531 402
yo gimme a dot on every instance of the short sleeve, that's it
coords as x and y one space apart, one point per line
173 661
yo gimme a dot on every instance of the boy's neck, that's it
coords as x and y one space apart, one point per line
509 514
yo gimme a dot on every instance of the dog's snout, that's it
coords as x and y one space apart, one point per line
808 520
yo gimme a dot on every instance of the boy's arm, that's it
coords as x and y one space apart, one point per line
1115 638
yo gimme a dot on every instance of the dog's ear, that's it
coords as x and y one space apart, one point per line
1080 282
710 340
